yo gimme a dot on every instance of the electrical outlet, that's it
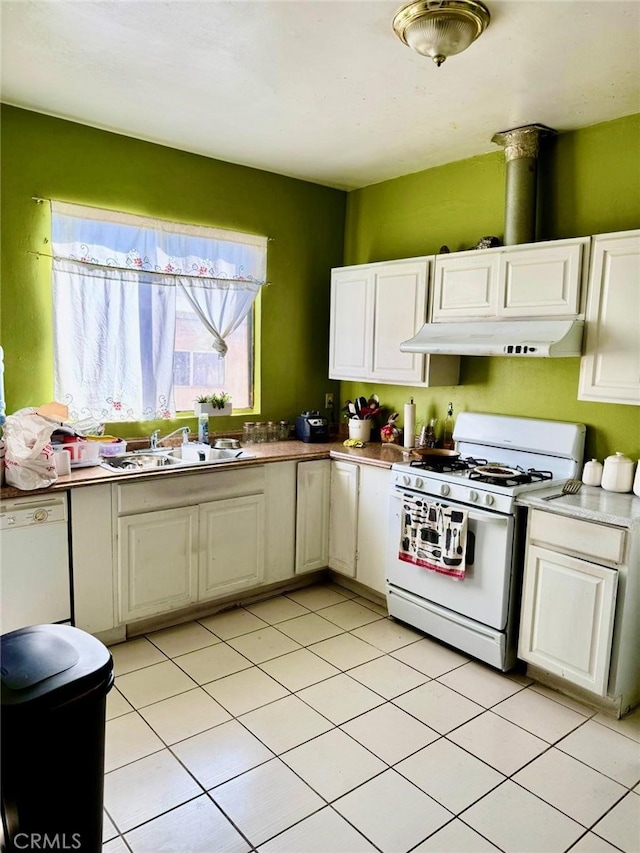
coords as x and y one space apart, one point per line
328 401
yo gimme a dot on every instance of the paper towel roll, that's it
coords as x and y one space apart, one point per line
409 424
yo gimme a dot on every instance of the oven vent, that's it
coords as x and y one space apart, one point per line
521 148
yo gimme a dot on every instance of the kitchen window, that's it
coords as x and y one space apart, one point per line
148 314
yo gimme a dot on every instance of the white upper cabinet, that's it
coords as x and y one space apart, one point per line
610 367
466 285
542 281
351 341
400 300
534 280
374 308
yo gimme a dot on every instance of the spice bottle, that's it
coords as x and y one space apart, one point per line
447 430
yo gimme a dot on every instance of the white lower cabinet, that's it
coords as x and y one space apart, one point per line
312 516
567 623
157 562
358 529
231 546
373 523
168 557
568 602
92 559
343 517
342 520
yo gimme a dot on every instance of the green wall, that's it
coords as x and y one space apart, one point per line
589 184
51 158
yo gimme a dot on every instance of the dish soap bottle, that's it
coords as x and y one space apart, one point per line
203 429
447 429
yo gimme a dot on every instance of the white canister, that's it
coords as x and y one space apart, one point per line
617 474
636 482
360 429
592 473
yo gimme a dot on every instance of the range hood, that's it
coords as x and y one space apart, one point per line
529 338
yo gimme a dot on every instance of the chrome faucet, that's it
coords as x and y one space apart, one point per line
155 441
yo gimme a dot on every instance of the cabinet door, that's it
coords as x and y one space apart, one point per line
567 617
610 367
312 516
351 327
372 527
280 521
92 544
400 300
231 545
541 281
157 562
466 285
343 518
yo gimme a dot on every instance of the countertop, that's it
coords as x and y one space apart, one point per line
374 453
591 503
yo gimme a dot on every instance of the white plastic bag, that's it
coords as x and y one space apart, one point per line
29 462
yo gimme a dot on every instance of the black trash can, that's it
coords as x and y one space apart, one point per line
55 681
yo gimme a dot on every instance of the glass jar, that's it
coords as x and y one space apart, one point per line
248 432
261 432
273 431
284 430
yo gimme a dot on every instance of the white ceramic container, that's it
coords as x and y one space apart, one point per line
360 429
592 473
636 482
617 473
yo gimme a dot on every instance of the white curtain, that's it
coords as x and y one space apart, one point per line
113 343
115 278
221 306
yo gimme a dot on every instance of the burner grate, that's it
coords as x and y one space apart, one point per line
532 475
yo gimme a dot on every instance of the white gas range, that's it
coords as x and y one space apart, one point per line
454 564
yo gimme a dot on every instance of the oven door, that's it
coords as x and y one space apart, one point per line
483 593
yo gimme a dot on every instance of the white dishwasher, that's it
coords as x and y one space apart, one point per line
34 562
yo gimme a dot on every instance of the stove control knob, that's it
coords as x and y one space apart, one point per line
444 489
488 499
406 479
473 496
419 483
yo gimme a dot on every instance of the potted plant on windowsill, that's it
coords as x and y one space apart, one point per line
213 404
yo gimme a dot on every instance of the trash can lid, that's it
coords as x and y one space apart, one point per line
51 664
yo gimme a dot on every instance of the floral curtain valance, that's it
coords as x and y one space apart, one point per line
109 238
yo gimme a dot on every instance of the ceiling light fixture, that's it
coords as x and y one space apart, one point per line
441 28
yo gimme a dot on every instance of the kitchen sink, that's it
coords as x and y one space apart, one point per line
201 455
179 457
140 461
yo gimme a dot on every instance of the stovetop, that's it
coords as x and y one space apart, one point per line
483 471
522 453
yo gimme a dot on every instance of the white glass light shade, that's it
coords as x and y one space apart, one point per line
441 28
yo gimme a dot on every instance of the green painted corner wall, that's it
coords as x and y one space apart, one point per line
589 183
51 158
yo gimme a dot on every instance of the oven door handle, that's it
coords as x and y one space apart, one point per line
500 520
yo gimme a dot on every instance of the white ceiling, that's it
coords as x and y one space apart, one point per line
317 89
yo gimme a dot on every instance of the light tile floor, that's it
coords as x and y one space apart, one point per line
312 723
